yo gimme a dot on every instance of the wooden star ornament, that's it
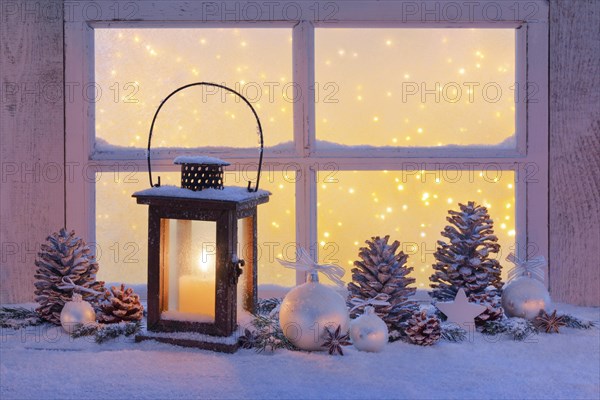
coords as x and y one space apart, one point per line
460 311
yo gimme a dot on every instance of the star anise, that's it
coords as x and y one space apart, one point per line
248 340
549 322
335 340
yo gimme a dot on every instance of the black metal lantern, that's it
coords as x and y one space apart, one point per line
194 235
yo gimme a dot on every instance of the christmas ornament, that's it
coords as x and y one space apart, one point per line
460 311
335 340
549 322
309 308
369 332
248 340
65 255
524 295
383 270
422 329
120 304
75 313
464 261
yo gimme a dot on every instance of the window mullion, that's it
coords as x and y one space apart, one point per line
304 77
304 135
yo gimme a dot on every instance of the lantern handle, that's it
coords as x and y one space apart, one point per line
260 132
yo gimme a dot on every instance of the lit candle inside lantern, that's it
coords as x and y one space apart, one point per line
197 290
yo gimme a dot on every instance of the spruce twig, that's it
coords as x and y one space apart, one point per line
453 333
577 323
18 317
105 332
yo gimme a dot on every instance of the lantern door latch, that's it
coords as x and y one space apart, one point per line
236 271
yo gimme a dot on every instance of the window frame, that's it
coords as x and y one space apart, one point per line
531 118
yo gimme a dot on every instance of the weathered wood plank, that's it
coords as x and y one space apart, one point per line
31 138
575 151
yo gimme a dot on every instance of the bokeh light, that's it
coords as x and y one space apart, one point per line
122 225
415 87
411 207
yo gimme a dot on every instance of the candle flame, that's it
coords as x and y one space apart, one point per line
204 262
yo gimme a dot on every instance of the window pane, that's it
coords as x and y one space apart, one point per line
122 225
137 68
415 87
411 207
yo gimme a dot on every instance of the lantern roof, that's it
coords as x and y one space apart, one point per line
200 160
228 193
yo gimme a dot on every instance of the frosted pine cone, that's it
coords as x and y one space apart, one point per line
64 255
382 269
120 304
423 330
465 259
493 311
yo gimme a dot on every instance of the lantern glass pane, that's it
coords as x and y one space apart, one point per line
415 87
136 68
190 279
411 207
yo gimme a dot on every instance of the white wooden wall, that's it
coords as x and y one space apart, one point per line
575 151
32 136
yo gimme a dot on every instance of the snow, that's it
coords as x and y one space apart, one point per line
42 362
102 146
199 160
507 144
229 193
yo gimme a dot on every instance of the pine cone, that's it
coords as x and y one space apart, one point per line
65 255
383 271
493 311
120 304
464 261
422 329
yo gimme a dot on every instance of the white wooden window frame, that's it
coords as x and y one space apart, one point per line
528 160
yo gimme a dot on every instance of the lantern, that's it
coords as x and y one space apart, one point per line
195 275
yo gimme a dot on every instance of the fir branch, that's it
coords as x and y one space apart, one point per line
82 330
577 323
265 306
112 331
453 333
266 335
104 332
18 317
518 329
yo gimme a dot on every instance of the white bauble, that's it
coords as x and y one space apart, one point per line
307 309
368 332
524 297
75 313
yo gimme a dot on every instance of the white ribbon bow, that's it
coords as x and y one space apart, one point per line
304 262
533 267
379 300
67 283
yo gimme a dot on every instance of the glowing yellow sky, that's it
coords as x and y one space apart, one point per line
371 70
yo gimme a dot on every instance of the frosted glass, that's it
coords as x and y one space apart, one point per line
190 279
122 225
411 207
415 87
137 68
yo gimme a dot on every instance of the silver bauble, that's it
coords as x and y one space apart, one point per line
75 313
524 297
368 332
307 309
